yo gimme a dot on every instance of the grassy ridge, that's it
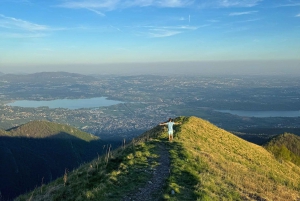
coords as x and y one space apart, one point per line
207 163
217 165
109 177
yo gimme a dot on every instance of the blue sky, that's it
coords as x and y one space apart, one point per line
99 35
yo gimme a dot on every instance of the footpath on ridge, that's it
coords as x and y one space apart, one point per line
152 190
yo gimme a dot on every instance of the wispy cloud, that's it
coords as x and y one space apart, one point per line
238 3
107 5
96 11
242 13
17 1
164 31
14 23
161 33
91 4
100 7
158 3
18 28
92 29
213 21
298 15
21 35
289 5
228 3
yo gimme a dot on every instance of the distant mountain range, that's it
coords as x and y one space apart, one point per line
39 152
51 77
206 163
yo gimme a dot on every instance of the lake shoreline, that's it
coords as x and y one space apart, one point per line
67 103
262 114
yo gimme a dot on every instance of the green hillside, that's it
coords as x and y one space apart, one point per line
45 129
285 147
206 163
39 152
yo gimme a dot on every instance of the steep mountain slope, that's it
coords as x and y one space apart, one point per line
285 147
206 163
229 168
39 152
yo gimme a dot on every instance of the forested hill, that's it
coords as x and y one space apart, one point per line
285 147
206 163
39 152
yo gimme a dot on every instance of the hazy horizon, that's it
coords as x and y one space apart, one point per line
150 37
170 68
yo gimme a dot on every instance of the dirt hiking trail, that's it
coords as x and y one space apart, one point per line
153 189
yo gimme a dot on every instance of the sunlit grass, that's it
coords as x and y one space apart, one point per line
221 166
207 163
127 169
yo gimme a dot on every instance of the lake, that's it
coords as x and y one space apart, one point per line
67 103
262 113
